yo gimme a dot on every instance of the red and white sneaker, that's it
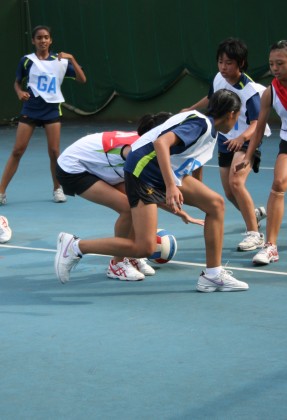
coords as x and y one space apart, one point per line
142 266
5 231
266 255
124 270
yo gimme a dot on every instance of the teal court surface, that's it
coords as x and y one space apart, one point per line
102 349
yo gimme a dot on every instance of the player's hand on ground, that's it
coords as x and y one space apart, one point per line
186 218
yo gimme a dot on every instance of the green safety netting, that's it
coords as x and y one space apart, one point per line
139 48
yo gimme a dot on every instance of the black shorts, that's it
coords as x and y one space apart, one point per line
225 159
137 190
75 184
282 147
38 123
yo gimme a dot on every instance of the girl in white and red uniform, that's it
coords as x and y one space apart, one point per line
274 96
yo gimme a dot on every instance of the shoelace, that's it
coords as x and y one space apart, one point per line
267 245
226 273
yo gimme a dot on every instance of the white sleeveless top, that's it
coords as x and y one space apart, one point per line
46 77
282 112
244 94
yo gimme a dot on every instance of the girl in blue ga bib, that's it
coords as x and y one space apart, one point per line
42 73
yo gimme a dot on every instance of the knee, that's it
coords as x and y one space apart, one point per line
125 216
147 248
279 185
53 153
228 192
218 204
235 185
18 152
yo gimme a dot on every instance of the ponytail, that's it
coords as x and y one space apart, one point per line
222 102
149 121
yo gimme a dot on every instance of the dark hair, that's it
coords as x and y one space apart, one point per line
38 28
222 102
149 121
235 49
280 45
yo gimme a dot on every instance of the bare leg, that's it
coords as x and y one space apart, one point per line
237 181
53 132
224 176
198 173
199 195
275 205
145 225
115 198
23 135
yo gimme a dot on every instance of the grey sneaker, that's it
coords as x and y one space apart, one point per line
59 196
252 240
142 266
260 214
65 258
3 199
224 282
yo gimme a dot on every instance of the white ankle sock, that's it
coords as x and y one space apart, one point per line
213 272
76 248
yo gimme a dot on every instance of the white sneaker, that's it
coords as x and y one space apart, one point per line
260 214
252 240
266 255
5 231
142 266
224 282
124 270
3 199
59 196
65 258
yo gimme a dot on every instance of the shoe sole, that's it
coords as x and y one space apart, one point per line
60 246
115 277
272 260
7 239
207 289
147 274
252 248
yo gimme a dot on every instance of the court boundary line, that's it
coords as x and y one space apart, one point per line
256 270
261 167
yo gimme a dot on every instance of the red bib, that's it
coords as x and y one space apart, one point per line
281 92
113 139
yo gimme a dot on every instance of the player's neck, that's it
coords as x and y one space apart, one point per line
283 82
42 55
234 79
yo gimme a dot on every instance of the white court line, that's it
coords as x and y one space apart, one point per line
261 167
255 270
